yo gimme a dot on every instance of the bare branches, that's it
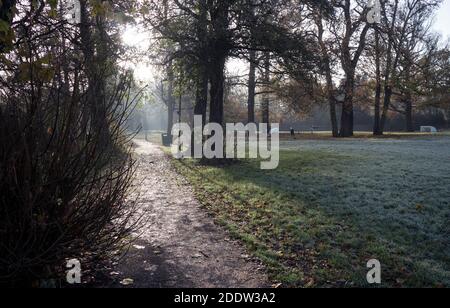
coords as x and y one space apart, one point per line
64 185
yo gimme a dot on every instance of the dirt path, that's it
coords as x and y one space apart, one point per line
180 245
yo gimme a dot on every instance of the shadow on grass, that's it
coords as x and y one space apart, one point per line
289 218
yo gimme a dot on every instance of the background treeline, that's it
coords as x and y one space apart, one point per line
65 164
302 56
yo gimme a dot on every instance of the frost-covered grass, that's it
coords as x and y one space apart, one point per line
334 204
327 135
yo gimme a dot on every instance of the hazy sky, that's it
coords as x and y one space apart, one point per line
442 21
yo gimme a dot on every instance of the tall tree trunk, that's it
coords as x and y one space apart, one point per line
347 119
265 105
377 121
377 125
347 109
328 74
252 87
89 112
408 97
218 55
217 77
333 115
217 91
350 61
409 116
201 100
386 105
200 108
201 96
97 71
170 98
390 67
100 106
171 82
253 65
331 98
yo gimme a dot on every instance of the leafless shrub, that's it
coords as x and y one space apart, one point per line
64 176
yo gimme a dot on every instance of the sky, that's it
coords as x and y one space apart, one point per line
137 38
442 20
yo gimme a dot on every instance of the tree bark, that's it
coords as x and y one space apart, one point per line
390 66
217 78
347 117
252 87
265 105
253 65
409 116
329 78
347 107
408 98
377 125
333 116
97 71
171 81
386 104
201 96
218 54
170 98
100 104
349 63
201 101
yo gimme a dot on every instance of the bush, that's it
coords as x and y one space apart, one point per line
64 179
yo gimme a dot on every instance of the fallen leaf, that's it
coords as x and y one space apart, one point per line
127 282
310 283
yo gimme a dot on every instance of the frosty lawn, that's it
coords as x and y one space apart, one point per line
334 204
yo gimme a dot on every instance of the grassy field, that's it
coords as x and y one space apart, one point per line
332 205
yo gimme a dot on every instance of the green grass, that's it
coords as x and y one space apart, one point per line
315 222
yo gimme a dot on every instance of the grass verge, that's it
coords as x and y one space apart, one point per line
291 219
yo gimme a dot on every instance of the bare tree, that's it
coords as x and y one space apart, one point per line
402 26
